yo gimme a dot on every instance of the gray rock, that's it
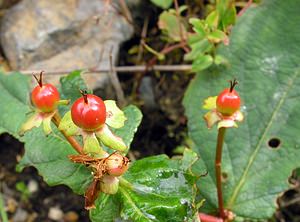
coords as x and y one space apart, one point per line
20 215
63 35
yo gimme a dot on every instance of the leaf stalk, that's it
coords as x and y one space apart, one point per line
56 120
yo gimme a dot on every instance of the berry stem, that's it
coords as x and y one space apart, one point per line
56 120
218 163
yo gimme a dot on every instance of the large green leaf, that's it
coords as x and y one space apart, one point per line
14 102
264 56
161 190
49 154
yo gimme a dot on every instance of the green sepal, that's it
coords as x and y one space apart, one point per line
67 125
47 125
63 102
109 184
114 116
91 145
110 140
34 120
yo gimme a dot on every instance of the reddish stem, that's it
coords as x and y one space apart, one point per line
218 163
56 120
167 50
209 218
245 8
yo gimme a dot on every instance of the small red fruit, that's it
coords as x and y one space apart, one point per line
45 97
116 164
228 101
88 112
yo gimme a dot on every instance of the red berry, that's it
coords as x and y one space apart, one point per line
228 101
117 164
89 112
45 97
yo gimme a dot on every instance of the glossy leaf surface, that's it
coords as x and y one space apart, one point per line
161 190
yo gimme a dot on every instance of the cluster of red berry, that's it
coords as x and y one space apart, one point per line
89 114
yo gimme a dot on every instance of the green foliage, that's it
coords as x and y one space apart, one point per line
23 189
164 4
70 87
161 190
264 57
149 182
209 32
172 26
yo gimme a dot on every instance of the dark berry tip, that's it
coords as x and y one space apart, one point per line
39 79
84 95
233 83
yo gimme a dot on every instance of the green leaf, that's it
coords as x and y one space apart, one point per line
70 88
202 62
161 190
198 49
269 81
107 209
14 107
50 156
134 118
212 19
168 23
220 60
229 17
198 26
226 10
216 36
164 4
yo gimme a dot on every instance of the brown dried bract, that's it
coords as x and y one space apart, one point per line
99 168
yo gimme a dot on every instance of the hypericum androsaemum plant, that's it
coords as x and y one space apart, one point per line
88 153
259 155
224 111
88 116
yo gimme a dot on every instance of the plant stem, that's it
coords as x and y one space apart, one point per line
121 69
218 163
56 120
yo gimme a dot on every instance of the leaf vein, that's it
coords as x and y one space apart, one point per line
242 180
